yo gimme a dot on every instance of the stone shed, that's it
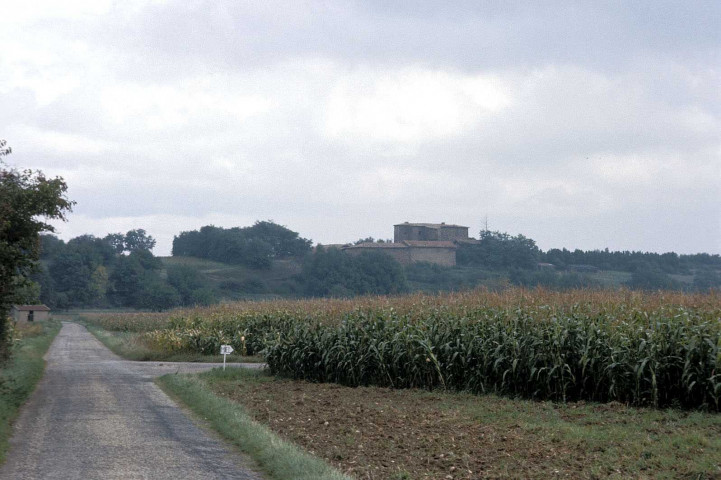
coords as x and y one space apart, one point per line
30 313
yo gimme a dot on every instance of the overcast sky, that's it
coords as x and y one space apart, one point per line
578 124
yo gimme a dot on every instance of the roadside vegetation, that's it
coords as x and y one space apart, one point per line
511 384
380 433
279 459
661 349
134 346
21 372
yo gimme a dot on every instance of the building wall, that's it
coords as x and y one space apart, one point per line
453 233
402 255
22 316
414 233
439 256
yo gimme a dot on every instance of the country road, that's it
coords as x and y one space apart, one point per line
95 415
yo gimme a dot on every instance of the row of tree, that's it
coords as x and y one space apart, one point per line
118 270
256 246
499 250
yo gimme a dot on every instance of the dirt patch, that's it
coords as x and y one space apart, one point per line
374 433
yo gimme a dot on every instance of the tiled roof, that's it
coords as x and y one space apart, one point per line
34 308
428 225
471 241
376 245
429 244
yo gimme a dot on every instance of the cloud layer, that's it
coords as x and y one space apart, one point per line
581 125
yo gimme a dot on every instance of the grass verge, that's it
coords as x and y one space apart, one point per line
129 346
20 374
379 433
278 458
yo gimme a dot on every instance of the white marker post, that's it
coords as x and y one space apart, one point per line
225 350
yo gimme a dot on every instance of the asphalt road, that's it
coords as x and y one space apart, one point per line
96 416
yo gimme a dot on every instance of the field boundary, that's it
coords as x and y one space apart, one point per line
19 377
278 458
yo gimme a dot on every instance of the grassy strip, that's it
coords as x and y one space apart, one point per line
277 457
128 346
19 376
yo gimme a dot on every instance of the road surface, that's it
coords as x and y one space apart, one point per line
95 415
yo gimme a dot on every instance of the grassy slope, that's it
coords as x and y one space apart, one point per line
282 272
278 458
19 376
279 278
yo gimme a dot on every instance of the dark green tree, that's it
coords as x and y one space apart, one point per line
27 198
331 272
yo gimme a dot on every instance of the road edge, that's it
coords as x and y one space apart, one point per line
22 373
277 458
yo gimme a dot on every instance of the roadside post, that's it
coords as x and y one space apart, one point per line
225 350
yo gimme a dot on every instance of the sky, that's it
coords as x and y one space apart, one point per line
579 124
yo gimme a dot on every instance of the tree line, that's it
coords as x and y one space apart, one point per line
118 270
255 246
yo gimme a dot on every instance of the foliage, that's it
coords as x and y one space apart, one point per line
660 349
156 295
254 246
648 278
25 197
497 250
20 374
551 279
628 261
331 272
433 277
661 357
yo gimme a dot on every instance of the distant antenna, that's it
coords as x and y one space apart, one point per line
485 222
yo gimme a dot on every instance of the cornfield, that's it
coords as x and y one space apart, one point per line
641 349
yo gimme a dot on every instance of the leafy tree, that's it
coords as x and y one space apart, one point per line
72 275
707 279
255 246
649 278
156 295
138 240
25 197
190 286
116 241
126 280
500 250
335 273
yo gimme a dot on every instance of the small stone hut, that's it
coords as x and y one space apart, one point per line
30 313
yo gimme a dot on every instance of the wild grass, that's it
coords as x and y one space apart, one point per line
20 374
133 346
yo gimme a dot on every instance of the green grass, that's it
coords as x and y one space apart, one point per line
278 458
128 346
18 377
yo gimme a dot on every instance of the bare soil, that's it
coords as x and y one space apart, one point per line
374 433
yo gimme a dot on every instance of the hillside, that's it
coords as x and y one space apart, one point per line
237 282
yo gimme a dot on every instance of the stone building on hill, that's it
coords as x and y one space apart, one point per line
429 232
419 242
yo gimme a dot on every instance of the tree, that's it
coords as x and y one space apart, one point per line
26 198
138 240
499 250
331 272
